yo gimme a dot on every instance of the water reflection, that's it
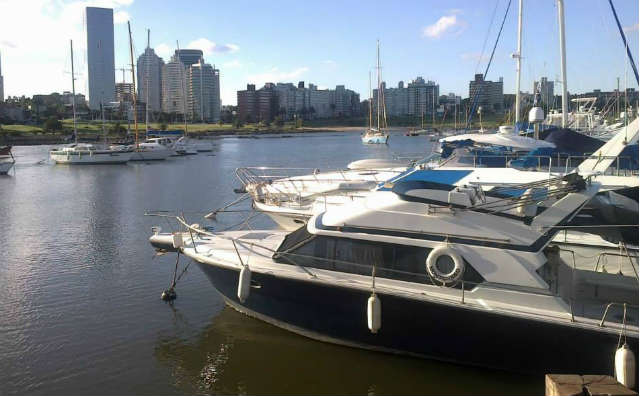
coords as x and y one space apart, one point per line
237 354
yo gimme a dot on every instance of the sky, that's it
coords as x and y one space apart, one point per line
328 43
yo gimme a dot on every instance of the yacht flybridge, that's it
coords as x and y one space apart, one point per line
453 274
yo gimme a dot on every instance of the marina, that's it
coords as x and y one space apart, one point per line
305 241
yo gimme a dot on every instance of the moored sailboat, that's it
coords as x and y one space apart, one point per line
379 134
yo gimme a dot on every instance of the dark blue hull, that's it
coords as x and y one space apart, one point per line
420 328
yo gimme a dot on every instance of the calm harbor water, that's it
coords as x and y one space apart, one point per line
81 310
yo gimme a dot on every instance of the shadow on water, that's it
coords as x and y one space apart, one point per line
237 354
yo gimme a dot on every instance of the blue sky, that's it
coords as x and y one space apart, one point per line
333 42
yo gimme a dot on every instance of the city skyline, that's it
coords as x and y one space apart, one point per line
257 50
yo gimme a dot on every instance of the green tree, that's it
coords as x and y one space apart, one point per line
52 124
163 126
278 121
237 123
117 129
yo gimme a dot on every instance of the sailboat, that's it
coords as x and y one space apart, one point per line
377 135
149 150
86 153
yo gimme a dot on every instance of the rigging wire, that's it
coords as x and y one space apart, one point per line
477 95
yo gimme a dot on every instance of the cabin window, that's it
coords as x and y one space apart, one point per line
354 256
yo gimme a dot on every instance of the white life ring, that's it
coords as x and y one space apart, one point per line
442 276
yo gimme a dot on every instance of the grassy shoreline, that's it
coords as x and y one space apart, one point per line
92 131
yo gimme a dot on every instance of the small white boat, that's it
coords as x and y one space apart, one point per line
184 147
373 136
86 154
6 160
152 150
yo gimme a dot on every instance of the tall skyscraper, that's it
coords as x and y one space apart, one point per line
203 92
100 56
173 86
150 75
188 57
1 83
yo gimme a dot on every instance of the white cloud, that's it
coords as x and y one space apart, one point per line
331 64
121 17
631 28
446 24
35 50
163 50
234 64
208 47
474 57
275 75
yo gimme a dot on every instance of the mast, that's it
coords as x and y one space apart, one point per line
146 85
563 63
370 100
133 79
73 97
184 95
518 56
378 71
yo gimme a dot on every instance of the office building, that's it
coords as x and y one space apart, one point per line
100 56
490 94
203 90
150 78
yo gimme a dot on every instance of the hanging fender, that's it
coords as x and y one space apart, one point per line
444 276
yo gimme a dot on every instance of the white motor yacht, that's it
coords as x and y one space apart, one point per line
85 154
414 264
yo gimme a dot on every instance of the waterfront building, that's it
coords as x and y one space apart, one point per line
100 56
490 94
1 82
546 91
319 102
203 90
150 76
418 98
291 101
173 86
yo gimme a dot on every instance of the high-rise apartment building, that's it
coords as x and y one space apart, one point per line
490 94
546 90
150 79
124 92
203 92
418 98
100 56
173 86
247 104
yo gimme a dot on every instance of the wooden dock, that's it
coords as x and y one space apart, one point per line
583 385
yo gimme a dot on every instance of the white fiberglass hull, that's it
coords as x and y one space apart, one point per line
151 155
5 167
375 139
90 157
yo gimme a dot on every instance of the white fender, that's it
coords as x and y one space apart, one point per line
458 265
374 313
244 283
177 240
625 366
